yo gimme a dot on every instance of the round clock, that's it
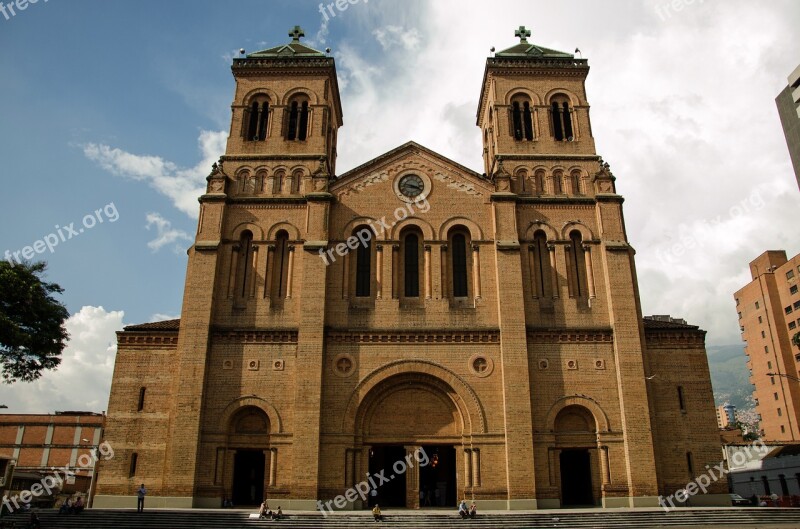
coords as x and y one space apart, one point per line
411 186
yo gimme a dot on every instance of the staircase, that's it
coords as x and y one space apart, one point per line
589 519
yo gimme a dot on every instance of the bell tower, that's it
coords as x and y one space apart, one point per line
253 265
533 105
286 108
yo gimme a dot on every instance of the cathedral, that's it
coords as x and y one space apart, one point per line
435 332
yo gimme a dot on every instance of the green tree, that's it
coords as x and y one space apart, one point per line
32 332
796 340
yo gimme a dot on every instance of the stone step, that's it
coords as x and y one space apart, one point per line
237 519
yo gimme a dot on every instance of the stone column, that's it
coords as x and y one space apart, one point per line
346 276
395 271
551 248
273 467
290 272
379 271
268 273
587 254
412 478
445 283
476 467
476 271
467 469
428 279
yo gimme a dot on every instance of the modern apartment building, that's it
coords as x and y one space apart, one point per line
788 102
769 317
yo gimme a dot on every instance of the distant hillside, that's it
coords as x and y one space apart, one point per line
729 375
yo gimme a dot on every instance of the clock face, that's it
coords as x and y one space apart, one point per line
411 186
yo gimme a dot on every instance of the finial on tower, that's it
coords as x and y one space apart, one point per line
296 33
523 33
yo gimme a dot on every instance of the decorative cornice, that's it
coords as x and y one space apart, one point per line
675 338
554 157
427 337
265 336
270 157
605 335
561 200
148 338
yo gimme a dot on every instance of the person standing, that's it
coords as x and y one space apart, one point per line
140 494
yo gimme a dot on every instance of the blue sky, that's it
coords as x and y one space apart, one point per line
128 103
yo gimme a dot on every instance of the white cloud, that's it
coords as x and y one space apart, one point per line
164 317
181 185
391 36
166 234
83 380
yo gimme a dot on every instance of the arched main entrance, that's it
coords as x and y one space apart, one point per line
409 426
576 440
248 438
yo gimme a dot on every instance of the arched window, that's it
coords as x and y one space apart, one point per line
575 182
460 266
256 118
278 181
561 119
280 265
558 183
245 271
539 182
521 118
566 115
577 265
297 126
411 263
519 184
363 261
527 120
541 264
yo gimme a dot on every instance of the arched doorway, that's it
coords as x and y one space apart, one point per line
410 426
576 441
248 438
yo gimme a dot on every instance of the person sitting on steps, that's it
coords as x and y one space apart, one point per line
462 509
473 510
264 511
277 515
79 506
376 512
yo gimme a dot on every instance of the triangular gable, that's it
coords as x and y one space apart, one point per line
380 169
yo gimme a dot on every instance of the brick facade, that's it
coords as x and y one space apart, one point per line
65 441
496 318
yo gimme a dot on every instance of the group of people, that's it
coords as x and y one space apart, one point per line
72 506
265 512
467 512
